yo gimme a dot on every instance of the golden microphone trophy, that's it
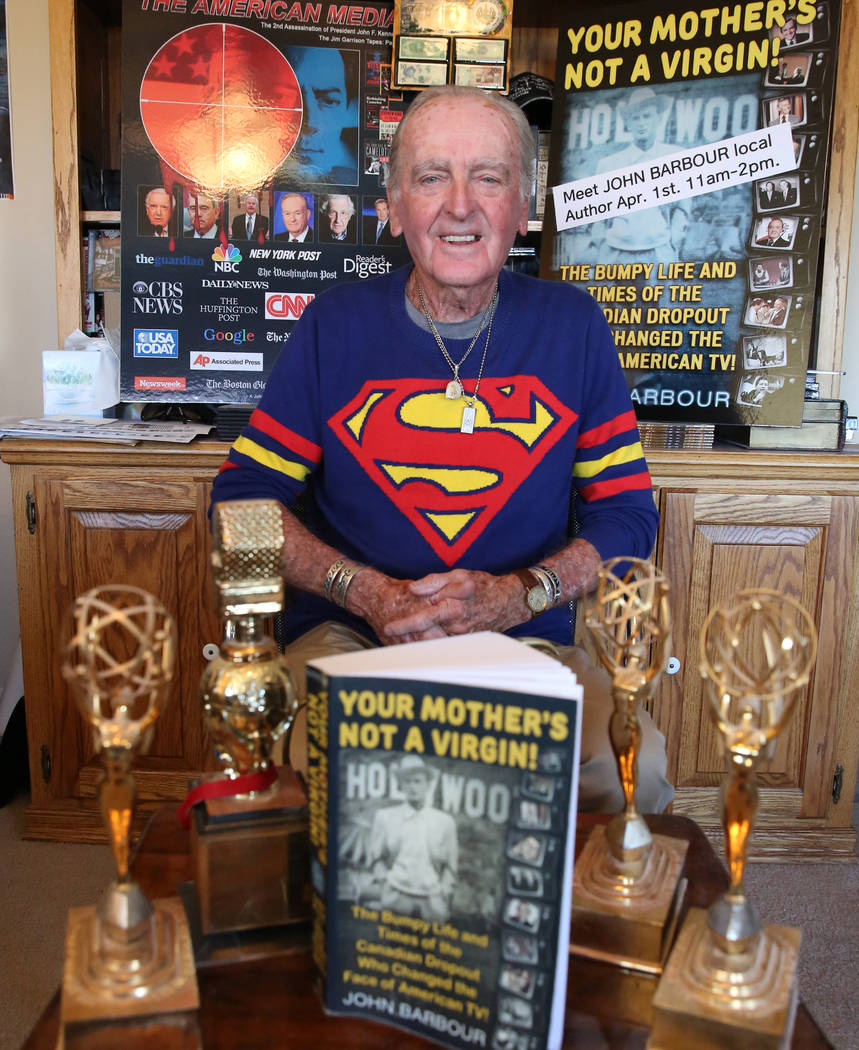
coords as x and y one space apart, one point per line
249 834
628 884
729 981
129 958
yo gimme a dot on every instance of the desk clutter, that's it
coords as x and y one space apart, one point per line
425 858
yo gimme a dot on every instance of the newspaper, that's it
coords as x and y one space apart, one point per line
89 428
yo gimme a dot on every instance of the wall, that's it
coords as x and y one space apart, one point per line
28 313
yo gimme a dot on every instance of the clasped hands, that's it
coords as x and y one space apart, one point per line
458 602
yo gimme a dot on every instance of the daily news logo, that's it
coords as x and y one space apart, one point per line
227 259
286 306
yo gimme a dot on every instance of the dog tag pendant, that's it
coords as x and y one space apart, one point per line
467 425
453 390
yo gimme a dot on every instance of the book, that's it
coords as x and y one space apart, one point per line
443 781
823 429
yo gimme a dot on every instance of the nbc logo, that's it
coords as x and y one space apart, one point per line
227 259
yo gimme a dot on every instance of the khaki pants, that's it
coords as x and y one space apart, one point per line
599 782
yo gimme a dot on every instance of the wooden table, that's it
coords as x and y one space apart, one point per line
271 1004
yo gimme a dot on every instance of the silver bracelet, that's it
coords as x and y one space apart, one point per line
333 569
341 585
550 580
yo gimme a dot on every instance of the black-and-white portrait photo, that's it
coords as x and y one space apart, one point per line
764 351
781 192
754 390
539 787
518 979
767 311
515 1011
775 272
526 847
532 814
525 881
523 914
520 947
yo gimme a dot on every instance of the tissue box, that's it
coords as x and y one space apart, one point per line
72 382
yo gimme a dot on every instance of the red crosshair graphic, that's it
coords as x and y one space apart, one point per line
221 106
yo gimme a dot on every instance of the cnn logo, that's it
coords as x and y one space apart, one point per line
285 306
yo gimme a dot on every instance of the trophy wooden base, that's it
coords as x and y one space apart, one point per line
159 996
628 925
704 1002
251 859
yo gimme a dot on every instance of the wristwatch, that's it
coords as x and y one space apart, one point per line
542 587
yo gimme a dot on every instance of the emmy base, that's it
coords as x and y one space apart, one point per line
708 999
627 923
251 859
143 985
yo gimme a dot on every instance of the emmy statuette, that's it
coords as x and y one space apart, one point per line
729 981
129 959
249 835
628 885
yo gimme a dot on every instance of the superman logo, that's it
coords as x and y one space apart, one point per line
406 436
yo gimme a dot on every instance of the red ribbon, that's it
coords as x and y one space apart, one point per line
224 787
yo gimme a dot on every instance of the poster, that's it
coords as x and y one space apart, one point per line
254 169
687 185
7 190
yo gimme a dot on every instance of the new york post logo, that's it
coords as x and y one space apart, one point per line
156 342
286 306
227 259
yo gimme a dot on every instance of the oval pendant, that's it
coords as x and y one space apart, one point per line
453 390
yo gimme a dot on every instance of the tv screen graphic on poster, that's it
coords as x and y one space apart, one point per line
254 171
688 181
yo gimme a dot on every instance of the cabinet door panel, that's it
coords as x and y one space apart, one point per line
151 535
712 546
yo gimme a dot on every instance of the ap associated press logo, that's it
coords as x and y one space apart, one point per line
227 259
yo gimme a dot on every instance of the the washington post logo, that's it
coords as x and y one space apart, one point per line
227 259
286 306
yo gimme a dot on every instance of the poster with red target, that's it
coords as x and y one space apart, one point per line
253 178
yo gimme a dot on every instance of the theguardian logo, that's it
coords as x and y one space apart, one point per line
157 297
227 259
286 306
156 342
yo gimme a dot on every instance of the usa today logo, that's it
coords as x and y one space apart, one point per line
156 342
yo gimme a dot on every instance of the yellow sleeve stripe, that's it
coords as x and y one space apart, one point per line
268 459
589 468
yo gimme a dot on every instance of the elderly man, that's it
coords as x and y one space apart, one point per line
339 225
204 216
159 209
441 414
295 212
251 226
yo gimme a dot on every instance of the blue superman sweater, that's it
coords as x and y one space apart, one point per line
355 413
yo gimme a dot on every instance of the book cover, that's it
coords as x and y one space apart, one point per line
443 784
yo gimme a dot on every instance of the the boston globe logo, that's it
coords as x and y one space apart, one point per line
157 297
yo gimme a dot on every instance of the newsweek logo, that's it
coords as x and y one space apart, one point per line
157 297
156 342
286 306
214 362
159 382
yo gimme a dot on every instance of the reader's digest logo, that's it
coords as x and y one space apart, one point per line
156 342
227 259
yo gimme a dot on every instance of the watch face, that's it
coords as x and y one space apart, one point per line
537 599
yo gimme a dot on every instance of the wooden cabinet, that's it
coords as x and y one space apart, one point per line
86 517
789 522
729 520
